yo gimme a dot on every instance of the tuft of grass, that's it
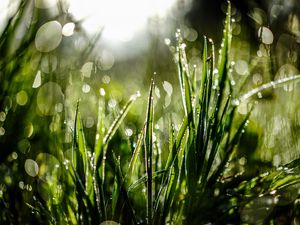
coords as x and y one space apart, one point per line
188 186
198 153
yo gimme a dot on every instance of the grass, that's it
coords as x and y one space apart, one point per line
181 179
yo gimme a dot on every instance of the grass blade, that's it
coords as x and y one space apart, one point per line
117 122
272 84
135 153
149 154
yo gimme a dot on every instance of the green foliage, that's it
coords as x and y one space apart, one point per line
183 181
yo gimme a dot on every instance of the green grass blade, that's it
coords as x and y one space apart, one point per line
81 145
149 153
175 179
120 195
116 189
136 153
272 84
99 132
83 168
172 151
183 73
223 61
229 146
117 122
143 180
113 128
202 133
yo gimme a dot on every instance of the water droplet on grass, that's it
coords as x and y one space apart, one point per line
2 116
168 88
49 95
68 29
21 185
2 131
106 79
48 36
235 102
86 88
112 103
266 35
48 63
21 98
128 132
259 95
31 167
157 91
183 46
241 67
14 155
37 80
105 60
102 92
167 41
86 69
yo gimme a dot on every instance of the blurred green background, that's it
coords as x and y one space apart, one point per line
50 59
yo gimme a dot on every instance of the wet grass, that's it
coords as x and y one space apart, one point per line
185 177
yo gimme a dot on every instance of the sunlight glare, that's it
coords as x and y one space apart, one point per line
120 19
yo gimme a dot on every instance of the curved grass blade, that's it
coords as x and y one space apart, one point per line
112 129
115 125
272 84
144 179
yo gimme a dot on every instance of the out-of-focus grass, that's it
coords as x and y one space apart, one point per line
77 152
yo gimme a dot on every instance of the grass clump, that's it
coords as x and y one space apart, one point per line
184 180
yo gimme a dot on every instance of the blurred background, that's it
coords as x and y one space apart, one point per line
53 53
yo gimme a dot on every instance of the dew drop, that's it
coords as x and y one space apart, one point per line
128 132
112 103
168 88
2 116
86 69
266 35
21 185
259 95
48 63
31 167
22 98
102 92
2 131
167 41
105 60
37 80
86 88
48 36
235 102
241 67
49 95
106 79
68 29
